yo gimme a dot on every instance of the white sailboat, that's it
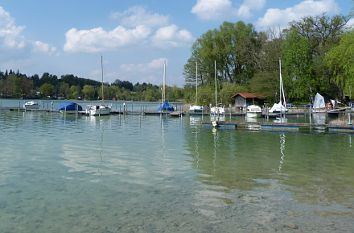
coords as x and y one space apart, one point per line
196 108
319 105
281 106
217 113
101 109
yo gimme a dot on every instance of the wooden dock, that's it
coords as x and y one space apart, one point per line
284 127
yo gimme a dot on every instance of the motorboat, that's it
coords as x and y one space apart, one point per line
196 108
98 110
31 105
253 111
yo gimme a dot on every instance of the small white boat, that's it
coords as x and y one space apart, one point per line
30 105
98 110
196 108
253 111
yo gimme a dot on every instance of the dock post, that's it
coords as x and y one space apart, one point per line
349 118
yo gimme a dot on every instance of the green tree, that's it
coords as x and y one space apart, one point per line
47 90
297 63
64 90
75 92
228 91
340 60
89 92
234 47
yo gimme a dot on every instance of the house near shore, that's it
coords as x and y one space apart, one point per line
244 99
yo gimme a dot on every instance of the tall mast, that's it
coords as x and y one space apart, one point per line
216 86
196 83
164 83
102 78
281 94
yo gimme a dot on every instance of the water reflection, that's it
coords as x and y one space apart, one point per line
238 160
282 149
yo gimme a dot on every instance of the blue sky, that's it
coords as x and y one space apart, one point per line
134 37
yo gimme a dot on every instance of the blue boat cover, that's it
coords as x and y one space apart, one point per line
166 106
69 106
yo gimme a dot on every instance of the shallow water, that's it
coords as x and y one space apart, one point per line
150 174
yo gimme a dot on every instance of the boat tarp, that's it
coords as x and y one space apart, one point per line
319 101
278 107
69 106
165 106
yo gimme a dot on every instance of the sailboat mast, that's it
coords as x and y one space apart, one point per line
196 83
102 79
216 86
281 85
164 83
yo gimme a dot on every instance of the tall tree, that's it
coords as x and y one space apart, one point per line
234 47
340 60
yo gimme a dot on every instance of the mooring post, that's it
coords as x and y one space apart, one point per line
349 118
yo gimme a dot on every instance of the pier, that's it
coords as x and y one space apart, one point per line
284 127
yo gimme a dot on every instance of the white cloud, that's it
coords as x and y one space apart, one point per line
212 9
280 18
97 39
245 10
150 72
224 9
350 23
42 47
13 45
10 33
138 15
137 26
171 36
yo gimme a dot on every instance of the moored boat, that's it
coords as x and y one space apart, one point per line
253 111
69 107
31 105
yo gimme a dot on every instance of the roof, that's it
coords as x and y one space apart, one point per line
248 95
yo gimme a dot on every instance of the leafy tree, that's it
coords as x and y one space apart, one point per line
75 92
298 64
64 89
89 92
47 89
234 47
340 60
229 90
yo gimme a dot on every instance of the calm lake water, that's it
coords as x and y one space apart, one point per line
149 174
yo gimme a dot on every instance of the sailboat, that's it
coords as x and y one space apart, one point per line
196 108
281 106
217 113
101 109
165 105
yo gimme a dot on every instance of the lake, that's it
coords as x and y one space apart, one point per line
132 173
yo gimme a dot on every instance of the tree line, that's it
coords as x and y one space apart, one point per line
316 54
18 85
